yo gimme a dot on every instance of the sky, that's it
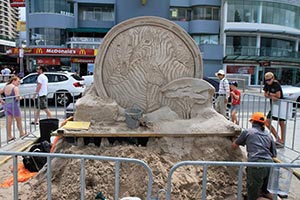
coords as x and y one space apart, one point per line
22 14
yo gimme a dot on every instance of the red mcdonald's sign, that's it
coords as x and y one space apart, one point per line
17 3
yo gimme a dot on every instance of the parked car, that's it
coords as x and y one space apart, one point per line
62 86
88 80
291 92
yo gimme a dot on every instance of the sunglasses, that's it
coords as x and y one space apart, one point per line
267 80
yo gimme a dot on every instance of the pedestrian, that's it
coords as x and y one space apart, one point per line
273 91
11 106
235 101
223 94
260 148
5 71
41 91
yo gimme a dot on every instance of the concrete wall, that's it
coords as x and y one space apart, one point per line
126 9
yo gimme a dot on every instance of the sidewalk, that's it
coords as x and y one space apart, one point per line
19 145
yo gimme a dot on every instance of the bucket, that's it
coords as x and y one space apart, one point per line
132 117
280 180
47 126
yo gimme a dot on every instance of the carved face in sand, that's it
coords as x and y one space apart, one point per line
142 55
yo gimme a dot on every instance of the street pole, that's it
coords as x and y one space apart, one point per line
21 55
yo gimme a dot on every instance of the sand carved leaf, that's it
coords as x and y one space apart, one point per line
183 94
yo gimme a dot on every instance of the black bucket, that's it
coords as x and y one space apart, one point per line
47 126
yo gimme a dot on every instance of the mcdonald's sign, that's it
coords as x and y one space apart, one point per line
17 3
39 51
82 52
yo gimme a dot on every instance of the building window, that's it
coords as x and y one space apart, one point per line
276 47
206 39
281 14
104 13
50 6
205 13
180 14
242 11
47 36
241 45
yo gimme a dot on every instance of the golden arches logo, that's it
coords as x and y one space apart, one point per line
82 52
39 50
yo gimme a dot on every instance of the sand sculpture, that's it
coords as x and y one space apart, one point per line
150 63
153 64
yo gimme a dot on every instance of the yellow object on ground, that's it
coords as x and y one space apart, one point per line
77 125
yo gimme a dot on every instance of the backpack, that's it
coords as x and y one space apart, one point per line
35 163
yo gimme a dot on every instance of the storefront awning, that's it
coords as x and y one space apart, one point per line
88 30
262 58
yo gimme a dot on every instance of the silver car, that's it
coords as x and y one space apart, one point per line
291 92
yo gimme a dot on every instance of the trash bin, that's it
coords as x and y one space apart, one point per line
47 126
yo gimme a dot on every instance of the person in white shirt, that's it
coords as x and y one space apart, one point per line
223 94
5 71
41 91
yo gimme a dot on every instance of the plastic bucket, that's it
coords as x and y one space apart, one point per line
132 117
280 180
47 126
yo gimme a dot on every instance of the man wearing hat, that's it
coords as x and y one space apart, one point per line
223 94
260 148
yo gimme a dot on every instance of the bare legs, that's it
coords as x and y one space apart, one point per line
37 114
273 131
234 117
9 125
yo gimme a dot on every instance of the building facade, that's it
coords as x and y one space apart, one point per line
261 36
8 32
244 38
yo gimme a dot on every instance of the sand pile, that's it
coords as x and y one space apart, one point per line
159 154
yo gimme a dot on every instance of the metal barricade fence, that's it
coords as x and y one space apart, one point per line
285 109
82 158
28 107
206 164
117 160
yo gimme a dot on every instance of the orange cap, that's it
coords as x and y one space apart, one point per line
258 117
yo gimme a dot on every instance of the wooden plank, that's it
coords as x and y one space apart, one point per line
140 134
77 125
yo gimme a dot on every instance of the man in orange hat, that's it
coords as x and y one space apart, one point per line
260 148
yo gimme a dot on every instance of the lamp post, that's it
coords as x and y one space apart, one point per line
21 55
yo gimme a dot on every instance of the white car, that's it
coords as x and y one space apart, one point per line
291 92
62 86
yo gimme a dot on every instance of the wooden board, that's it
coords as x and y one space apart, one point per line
77 125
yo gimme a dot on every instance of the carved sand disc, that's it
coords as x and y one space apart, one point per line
140 56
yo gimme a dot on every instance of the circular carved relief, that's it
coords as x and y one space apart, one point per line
140 56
